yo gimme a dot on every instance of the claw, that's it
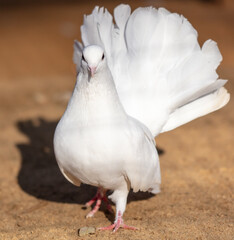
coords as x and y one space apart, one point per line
98 198
118 224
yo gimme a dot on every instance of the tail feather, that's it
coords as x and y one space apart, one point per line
196 92
198 108
121 15
89 30
158 66
77 55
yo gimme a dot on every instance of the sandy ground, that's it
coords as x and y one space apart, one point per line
36 79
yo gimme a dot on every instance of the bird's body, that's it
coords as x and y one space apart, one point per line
125 95
91 132
97 143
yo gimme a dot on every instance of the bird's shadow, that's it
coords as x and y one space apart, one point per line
39 174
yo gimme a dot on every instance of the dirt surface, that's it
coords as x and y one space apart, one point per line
36 78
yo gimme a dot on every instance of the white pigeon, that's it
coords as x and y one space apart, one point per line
144 75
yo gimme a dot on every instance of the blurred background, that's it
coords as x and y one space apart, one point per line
37 76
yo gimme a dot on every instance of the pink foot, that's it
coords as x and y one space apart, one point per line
118 224
99 197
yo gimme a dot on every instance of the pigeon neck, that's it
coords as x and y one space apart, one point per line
96 99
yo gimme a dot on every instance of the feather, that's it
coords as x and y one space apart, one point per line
156 62
77 54
198 108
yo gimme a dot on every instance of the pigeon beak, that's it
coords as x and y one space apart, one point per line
92 70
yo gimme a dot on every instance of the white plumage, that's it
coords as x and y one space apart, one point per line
144 75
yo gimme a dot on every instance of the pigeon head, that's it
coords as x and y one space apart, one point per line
93 59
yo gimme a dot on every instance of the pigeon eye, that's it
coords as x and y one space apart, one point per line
103 56
83 58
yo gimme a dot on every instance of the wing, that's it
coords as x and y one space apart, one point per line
143 170
159 69
69 176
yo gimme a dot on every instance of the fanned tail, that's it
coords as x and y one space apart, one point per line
197 108
163 77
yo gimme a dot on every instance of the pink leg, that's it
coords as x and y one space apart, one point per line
117 224
89 203
98 198
108 205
